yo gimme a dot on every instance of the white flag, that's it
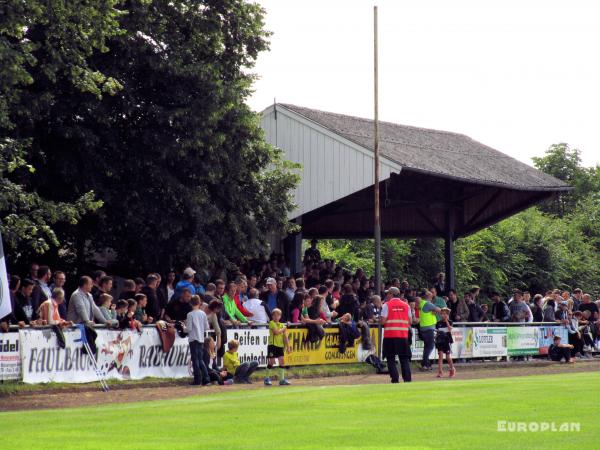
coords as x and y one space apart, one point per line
5 306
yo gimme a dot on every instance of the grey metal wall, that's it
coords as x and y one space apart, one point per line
333 167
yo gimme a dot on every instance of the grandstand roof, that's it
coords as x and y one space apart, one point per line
432 182
440 153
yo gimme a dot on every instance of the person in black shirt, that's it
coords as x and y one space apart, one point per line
536 308
588 305
367 311
349 304
440 284
96 290
25 309
161 295
312 254
14 285
364 292
443 341
476 314
500 312
558 351
149 290
122 319
177 310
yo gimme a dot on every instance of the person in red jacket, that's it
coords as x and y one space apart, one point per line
232 292
240 297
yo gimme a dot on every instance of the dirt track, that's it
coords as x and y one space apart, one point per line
124 394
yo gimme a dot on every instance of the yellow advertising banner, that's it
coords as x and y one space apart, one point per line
326 351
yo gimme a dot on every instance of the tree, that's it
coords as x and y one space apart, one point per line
349 254
587 218
564 163
358 253
42 44
178 159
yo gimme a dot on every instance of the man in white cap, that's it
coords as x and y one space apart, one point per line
275 298
187 277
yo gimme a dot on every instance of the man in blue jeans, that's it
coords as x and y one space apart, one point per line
427 322
197 326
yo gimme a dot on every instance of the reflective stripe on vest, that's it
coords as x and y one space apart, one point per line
426 319
397 323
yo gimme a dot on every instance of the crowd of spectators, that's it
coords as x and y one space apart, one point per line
321 294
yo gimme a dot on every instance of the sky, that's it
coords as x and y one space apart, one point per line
518 76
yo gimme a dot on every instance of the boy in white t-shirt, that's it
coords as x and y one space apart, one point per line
197 326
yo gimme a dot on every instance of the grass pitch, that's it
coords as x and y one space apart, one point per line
441 414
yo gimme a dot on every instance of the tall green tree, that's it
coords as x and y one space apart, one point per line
176 156
43 44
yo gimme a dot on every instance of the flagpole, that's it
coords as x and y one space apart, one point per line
377 221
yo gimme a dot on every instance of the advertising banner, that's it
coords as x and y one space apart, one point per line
122 354
253 347
489 342
253 344
326 351
461 347
546 337
463 342
417 347
10 357
522 340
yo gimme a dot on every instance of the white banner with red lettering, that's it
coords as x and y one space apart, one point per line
122 355
10 357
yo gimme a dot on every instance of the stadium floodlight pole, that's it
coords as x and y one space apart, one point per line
377 224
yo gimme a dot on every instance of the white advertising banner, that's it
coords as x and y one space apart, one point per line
253 344
489 342
10 358
122 354
463 342
461 347
418 346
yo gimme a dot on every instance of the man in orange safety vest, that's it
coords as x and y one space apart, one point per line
396 321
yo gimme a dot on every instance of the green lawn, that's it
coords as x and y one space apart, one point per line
444 414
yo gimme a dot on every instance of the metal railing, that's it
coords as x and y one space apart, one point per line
326 325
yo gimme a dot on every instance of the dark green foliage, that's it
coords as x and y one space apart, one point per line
564 163
175 155
43 44
535 250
